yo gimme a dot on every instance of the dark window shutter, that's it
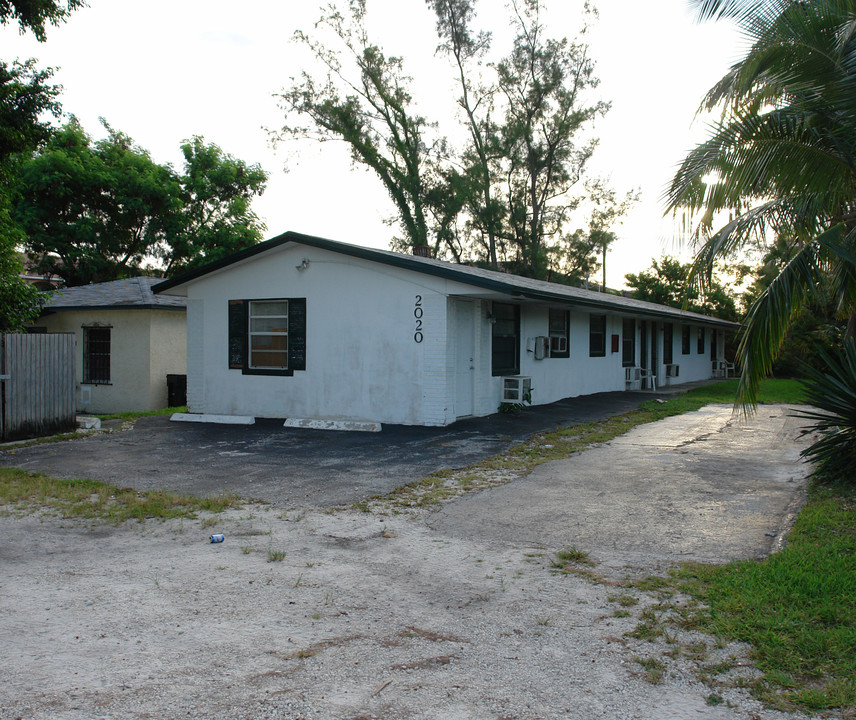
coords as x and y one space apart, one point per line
237 334
297 333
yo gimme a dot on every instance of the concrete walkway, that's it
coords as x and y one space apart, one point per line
705 486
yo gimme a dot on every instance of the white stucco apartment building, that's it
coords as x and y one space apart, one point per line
313 330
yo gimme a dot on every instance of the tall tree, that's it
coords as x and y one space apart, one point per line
215 216
504 197
781 163
371 110
544 83
460 42
100 210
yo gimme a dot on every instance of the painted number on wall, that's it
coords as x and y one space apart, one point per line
417 313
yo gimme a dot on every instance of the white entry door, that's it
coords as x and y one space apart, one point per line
464 358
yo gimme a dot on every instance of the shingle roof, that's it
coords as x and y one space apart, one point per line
130 293
505 283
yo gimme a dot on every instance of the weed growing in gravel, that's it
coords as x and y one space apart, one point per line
275 556
655 670
624 600
27 492
567 560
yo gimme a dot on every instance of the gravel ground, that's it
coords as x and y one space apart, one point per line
316 615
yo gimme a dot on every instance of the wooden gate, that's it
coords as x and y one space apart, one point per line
36 385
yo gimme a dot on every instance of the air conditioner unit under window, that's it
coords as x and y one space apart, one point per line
672 370
632 374
516 389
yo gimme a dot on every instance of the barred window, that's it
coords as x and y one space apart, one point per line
96 355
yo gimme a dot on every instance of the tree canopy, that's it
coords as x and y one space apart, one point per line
666 283
26 101
505 195
34 15
97 210
779 164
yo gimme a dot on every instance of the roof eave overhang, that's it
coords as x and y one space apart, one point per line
446 273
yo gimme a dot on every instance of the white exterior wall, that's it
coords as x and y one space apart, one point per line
694 365
362 360
145 346
579 374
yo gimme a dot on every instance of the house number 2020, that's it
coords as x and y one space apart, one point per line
417 314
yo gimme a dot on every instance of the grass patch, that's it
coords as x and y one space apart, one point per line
128 416
795 609
521 459
567 558
22 491
654 669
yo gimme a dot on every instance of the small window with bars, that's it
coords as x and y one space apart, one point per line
96 355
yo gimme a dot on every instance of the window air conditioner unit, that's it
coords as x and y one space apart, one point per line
558 344
516 389
632 374
672 370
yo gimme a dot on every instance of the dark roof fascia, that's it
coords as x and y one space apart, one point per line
449 272
150 306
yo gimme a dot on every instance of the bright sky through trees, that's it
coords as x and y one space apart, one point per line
165 71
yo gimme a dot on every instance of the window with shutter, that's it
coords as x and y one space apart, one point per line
267 337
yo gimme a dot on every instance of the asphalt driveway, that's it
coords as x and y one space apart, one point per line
292 467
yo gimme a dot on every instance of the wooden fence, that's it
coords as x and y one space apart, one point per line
36 385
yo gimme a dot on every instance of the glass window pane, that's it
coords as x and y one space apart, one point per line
268 324
274 308
269 342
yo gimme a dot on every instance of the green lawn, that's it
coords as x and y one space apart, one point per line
797 608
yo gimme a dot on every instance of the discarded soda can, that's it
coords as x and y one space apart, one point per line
218 538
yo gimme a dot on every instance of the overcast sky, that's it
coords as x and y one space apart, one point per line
165 70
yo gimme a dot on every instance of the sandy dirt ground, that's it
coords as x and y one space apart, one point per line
309 614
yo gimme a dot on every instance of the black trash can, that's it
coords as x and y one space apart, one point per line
176 390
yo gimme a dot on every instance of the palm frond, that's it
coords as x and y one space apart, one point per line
767 321
832 395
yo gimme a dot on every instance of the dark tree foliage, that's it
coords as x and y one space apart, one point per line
26 100
94 211
34 15
667 283
215 216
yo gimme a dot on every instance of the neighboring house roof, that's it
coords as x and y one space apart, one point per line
504 283
128 294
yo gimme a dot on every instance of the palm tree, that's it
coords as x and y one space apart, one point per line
781 162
